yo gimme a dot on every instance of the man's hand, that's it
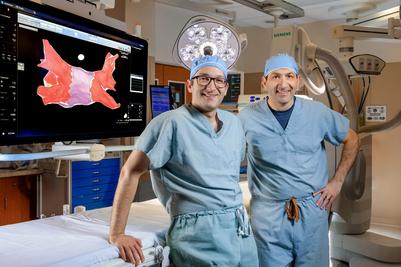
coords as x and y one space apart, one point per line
130 248
328 194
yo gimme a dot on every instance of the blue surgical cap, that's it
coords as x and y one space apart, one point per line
208 61
280 61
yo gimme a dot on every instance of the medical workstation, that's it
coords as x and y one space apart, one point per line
64 138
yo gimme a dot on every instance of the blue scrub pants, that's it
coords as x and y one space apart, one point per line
212 238
282 242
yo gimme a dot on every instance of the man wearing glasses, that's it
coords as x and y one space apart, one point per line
287 169
194 155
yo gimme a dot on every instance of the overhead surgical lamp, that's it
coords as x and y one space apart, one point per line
206 36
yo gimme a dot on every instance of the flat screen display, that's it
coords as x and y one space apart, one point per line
161 99
63 77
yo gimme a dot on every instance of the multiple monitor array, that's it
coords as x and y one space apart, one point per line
64 77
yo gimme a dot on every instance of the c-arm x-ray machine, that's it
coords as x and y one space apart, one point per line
351 215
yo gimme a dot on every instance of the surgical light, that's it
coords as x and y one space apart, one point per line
206 36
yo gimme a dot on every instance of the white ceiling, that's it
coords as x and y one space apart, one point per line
315 10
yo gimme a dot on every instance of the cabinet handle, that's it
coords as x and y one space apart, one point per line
96 189
95 198
96 181
95 172
96 164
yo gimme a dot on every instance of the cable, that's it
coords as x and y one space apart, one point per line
365 96
362 95
342 110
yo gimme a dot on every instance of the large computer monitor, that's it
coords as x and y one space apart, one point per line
161 99
63 77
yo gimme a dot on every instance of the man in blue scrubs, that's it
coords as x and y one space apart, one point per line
194 155
287 169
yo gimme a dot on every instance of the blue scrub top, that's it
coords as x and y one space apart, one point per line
291 162
193 167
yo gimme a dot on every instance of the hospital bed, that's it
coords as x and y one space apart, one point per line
81 239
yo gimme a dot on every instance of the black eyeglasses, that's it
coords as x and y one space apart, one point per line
219 82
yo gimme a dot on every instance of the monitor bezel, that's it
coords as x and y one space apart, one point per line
84 24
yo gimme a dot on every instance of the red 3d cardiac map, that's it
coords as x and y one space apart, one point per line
68 86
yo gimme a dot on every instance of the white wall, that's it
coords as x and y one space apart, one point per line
254 56
386 178
168 23
142 13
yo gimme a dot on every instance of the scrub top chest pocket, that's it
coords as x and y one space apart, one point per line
265 146
307 150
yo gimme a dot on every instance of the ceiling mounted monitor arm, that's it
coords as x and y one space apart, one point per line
394 25
346 34
289 11
394 28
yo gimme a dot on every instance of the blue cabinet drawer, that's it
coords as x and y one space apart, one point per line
105 163
94 189
96 205
77 175
106 198
82 199
93 184
94 181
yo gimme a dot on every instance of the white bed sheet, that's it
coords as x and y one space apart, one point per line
81 239
78 240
